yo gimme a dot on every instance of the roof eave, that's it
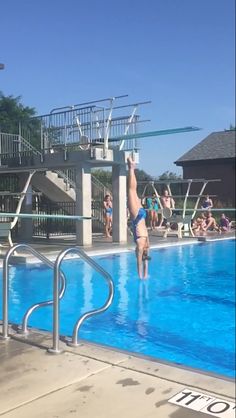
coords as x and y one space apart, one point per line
206 161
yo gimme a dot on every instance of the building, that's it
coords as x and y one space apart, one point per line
213 158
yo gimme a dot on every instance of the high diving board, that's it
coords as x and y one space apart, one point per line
154 133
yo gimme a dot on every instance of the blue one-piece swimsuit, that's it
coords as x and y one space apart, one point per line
108 211
141 215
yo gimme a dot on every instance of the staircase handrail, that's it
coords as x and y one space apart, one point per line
68 180
27 146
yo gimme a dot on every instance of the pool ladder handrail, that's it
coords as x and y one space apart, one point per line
99 269
41 257
57 294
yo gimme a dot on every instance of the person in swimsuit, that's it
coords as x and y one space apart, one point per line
207 203
211 224
167 201
107 205
149 209
155 208
138 215
224 223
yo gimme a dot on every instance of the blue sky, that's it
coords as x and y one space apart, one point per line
177 53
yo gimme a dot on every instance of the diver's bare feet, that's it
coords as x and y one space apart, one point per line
131 163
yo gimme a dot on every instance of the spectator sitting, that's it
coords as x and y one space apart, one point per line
196 225
211 224
199 224
207 203
224 223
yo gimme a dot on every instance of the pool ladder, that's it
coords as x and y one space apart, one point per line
58 293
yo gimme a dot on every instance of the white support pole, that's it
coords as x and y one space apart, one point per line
79 125
24 206
127 127
98 129
119 221
83 204
107 129
199 197
157 195
186 198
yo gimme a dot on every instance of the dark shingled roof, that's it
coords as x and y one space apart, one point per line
217 145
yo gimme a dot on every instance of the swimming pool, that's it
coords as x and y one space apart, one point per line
184 313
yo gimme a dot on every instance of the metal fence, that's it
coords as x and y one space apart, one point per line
15 150
56 226
82 125
85 126
90 123
8 183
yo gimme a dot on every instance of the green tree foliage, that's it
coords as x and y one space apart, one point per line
142 179
176 188
13 115
12 112
168 175
104 176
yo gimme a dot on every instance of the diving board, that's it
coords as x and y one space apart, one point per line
142 135
44 216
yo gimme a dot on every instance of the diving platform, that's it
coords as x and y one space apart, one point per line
62 159
77 139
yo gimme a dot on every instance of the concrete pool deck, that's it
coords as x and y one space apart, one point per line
92 381
51 248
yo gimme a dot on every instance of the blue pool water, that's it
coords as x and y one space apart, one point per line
183 313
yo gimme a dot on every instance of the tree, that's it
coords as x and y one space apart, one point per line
143 178
104 176
14 114
168 175
141 175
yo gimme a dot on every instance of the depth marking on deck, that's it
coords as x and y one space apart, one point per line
207 404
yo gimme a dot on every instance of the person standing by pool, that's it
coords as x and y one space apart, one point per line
107 205
207 203
168 202
155 208
149 208
138 215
